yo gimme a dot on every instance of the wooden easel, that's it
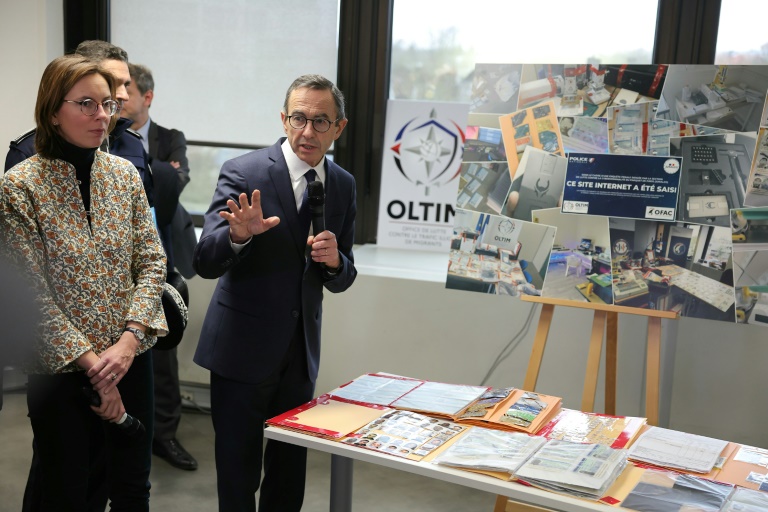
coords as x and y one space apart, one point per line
606 322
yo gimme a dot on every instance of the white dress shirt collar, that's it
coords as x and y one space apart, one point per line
144 132
297 168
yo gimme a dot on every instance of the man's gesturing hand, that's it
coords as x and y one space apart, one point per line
246 220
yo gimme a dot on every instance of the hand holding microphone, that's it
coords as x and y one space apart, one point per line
316 203
127 424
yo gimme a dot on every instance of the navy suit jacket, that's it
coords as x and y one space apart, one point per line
176 226
166 146
265 290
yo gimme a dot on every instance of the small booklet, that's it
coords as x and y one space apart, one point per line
576 469
484 449
590 427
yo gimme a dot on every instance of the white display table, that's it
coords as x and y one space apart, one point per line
342 456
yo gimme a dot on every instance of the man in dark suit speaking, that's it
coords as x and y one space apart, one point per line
261 334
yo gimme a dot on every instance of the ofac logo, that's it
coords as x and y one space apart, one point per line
427 152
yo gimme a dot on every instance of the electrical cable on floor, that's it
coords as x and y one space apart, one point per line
198 408
194 406
512 345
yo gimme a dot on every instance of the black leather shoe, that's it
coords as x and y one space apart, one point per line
172 451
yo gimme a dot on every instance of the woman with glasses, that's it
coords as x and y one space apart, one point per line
77 222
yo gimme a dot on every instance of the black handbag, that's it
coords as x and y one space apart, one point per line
175 307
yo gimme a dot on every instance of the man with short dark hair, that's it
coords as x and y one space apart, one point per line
261 334
167 151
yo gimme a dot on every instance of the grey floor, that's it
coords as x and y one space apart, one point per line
375 488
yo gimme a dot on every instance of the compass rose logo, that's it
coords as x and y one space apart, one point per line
428 152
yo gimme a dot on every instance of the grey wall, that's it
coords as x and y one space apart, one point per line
31 35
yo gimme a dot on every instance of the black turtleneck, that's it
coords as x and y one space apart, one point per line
82 159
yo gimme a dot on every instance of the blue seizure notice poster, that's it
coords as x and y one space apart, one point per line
637 187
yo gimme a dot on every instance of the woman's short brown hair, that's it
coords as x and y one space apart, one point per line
59 77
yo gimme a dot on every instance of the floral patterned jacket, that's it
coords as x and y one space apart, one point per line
92 279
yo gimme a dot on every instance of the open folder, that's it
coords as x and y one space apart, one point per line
329 417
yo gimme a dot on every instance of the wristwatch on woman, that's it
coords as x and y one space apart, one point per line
136 332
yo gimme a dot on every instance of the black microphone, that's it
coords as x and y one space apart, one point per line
316 201
128 425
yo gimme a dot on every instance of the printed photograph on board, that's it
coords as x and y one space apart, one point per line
757 184
579 266
640 187
495 88
713 177
536 126
588 90
498 255
584 134
727 97
749 228
484 186
679 267
538 184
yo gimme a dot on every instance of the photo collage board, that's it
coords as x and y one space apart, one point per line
643 186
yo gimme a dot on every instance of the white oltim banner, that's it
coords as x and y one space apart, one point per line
423 147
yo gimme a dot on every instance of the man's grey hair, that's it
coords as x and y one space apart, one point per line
142 77
101 50
318 82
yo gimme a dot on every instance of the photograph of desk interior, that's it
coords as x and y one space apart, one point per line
498 255
686 268
580 263
727 97
588 90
